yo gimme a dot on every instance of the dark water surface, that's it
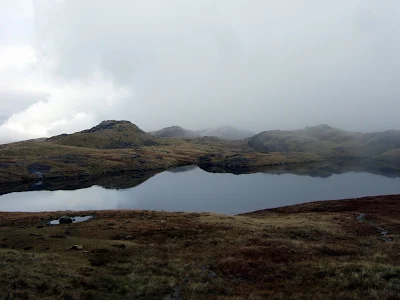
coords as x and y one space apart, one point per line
192 189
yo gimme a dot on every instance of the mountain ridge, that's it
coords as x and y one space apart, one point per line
328 141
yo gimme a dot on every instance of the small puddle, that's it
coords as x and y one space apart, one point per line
76 219
383 232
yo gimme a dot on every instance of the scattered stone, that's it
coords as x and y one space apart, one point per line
74 247
65 220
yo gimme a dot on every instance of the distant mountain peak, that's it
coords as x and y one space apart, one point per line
175 127
174 131
109 134
320 127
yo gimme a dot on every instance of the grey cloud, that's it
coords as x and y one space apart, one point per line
255 64
17 17
12 102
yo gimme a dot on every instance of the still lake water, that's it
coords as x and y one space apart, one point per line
193 189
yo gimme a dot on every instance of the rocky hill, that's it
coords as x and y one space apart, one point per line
109 134
327 141
174 131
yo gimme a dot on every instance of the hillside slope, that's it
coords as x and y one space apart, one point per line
327 141
109 134
390 156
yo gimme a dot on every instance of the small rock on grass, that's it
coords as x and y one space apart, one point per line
65 220
74 247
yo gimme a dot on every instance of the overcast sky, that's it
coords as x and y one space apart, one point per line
254 64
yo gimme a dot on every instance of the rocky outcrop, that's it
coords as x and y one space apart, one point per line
111 124
109 134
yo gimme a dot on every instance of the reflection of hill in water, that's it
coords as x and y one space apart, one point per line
182 169
130 180
120 181
326 169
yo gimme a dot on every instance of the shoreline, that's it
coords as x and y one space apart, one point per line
346 204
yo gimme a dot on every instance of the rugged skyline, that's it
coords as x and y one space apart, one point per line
67 65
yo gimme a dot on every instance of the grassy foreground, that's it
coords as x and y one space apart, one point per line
318 250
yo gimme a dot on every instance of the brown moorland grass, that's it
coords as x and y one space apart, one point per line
311 251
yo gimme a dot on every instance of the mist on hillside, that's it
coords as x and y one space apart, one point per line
258 65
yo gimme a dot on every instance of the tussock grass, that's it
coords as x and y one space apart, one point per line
313 251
